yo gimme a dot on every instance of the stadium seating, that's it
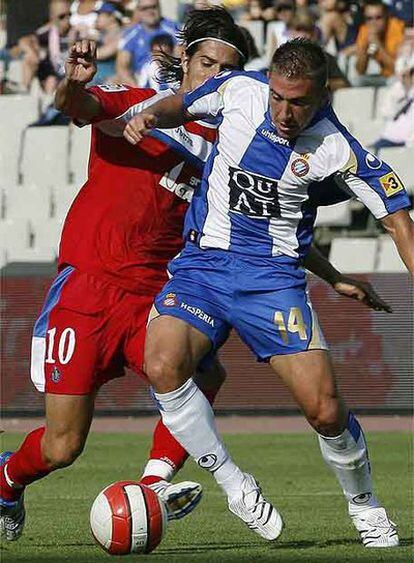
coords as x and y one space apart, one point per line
338 215
388 257
26 202
78 154
402 160
45 156
349 102
62 197
16 112
354 255
14 235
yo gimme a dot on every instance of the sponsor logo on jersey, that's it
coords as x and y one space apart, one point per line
170 300
184 136
300 167
391 184
208 461
271 135
199 313
113 87
373 161
253 195
56 375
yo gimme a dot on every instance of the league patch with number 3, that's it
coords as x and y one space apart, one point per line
391 184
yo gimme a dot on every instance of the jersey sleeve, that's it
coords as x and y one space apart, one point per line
116 99
372 181
207 101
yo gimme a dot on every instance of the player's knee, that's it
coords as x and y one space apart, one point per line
164 373
62 451
325 416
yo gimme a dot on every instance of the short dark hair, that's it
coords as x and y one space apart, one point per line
301 58
210 23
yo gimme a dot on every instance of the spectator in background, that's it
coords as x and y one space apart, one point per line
45 51
277 31
377 44
402 9
255 11
303 25
134 48
337 25
83 18
149 77
108 26
398 107
255 61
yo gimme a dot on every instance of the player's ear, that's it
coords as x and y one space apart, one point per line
184 62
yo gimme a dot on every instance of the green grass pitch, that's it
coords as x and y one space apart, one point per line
290 471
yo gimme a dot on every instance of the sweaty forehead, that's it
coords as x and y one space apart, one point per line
218 52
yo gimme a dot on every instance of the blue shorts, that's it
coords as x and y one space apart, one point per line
263 299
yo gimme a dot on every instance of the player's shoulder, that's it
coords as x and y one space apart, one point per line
253 77
132 92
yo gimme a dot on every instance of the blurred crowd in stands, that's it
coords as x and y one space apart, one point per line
367 42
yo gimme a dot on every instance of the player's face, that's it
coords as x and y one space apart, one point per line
210 58
293 103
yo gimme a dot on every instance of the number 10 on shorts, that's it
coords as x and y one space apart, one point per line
295 324
65 345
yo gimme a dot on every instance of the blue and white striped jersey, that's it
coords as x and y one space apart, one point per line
258 191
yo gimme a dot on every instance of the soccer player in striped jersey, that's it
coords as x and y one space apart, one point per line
248 229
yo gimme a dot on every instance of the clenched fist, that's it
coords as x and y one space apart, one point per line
139 127
80 66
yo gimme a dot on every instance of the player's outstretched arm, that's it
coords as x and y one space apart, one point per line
165 114
401 228
347 286
71 96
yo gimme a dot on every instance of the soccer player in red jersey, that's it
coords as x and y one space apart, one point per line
119 234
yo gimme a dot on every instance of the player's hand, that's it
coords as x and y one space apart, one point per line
361 291
139 127
80 66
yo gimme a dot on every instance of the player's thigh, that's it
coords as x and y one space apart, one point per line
68 420
310 378
173 349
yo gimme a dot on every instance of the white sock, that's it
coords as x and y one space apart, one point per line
189 417
158 468
347 455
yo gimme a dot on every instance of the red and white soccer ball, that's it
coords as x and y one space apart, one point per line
127 517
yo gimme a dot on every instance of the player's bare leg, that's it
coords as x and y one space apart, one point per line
53 446
309 376
173 351
167 455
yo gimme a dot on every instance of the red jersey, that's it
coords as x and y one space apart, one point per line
126 222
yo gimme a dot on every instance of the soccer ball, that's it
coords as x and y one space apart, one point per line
128 517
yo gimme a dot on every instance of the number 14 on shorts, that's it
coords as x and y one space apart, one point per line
292 323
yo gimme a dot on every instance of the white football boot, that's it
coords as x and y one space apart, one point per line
12 514
259 515
179 498
375 528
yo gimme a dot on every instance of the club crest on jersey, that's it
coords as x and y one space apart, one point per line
56 375
391 184
253 195
300 167
170 300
